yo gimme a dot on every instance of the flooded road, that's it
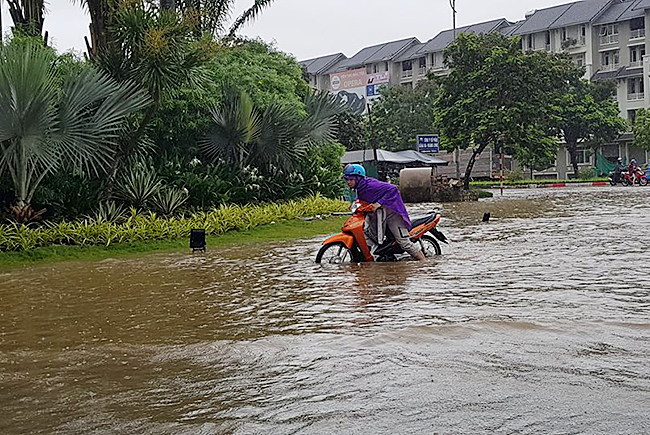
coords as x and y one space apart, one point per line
537 322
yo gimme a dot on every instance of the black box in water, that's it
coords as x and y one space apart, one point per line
197 240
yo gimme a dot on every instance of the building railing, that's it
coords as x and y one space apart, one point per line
422 71
637 64
610 67
582 40
637 34
635 96
609 39
407 73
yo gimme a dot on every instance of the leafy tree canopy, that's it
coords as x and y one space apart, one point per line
496 94
641 129
402 113
588 115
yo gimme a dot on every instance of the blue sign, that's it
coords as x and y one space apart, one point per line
373 90
428 143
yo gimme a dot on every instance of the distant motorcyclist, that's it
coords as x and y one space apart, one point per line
619 169
632 171
386 196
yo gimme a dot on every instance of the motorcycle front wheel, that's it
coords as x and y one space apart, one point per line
643 181
334 253
429 246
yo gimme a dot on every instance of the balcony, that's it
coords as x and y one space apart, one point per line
407 73
610 67
635 97
609 39
636 64
582 40
637 34
422 71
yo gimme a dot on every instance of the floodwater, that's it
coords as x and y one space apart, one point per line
537 322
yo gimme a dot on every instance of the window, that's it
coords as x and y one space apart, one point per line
423 66
548 39
565 36
583 35
635 89
609 60
637 23
368 69
636 56
631 115
407 68
583 156
612 29
609 34
531 42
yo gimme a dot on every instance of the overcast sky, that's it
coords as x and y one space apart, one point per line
312 28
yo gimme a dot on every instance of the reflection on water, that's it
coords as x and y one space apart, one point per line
536 322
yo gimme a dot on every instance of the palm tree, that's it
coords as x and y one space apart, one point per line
276 136
48 121
208 17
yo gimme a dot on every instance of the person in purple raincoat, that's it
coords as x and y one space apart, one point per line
393 215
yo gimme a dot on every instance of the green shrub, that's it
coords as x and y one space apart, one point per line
587 174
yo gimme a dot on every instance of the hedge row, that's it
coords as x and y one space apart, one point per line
149 226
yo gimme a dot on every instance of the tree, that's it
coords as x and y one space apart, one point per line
641 129
155 49
28 16
48 121
274 137
496 94
352 131
402 113
588 115
205 16
265 74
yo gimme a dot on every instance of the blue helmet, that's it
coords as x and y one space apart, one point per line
351 170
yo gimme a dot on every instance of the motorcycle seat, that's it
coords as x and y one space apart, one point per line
424 220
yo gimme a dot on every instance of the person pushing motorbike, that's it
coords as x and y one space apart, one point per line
392 216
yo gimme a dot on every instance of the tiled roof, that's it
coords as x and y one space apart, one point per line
412 53
621 73
643 4
320 64
376 53
621 12
444 38
563 15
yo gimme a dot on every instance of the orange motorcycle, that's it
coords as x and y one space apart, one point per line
349 246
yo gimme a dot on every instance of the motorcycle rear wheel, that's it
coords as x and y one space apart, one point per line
643 181
429 246
334 253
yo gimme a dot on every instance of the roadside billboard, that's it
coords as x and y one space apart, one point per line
356 87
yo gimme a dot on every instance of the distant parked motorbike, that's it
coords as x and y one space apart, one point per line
641 179
614 179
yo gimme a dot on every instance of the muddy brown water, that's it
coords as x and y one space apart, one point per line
538 322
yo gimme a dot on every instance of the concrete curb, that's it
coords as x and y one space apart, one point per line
545 185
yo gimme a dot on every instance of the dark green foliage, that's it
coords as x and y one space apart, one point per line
352 131
496 95
641 129
403 113
588 115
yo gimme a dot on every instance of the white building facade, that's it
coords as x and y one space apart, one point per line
607 37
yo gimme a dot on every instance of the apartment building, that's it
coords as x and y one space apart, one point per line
606 37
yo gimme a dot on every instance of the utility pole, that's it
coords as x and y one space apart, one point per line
452 3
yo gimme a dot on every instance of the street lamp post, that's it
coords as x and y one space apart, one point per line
452 3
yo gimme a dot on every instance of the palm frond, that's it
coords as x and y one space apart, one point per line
249 15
